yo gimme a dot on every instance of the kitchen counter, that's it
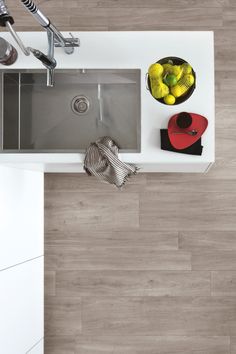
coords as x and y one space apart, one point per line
133 50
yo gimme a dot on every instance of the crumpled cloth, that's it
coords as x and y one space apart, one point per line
101 160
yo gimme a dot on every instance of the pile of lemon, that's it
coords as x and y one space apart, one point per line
170 81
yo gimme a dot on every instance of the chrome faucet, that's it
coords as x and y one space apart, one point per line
55 38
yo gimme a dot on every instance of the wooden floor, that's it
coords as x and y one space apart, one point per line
151 269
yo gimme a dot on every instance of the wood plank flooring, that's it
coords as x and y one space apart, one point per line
142 287
151 269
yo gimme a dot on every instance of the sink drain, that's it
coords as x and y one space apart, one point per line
80 105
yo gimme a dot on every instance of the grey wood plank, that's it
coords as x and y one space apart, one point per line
62 316
226 147
225 114
229 13
81 182
70 211
132 283
207 241
162 316
139 238
183 4
76 258
187 211
147 18
223 283
233 345
190 183
45 4
151 345
96 15
233 328
133 3
50 282
59 345
225 52
224 168
214 260
90 19
225 86
230 3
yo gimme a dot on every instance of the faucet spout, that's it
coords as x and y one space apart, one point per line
50 69
50 77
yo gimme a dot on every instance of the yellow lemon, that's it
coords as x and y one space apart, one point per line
169 99
187 69
188 80
155 70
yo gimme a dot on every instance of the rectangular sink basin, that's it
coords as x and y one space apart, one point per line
82 106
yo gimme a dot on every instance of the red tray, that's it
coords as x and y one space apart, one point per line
182 141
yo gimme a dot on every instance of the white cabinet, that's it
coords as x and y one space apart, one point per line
38 348
21 261
21 307
21 215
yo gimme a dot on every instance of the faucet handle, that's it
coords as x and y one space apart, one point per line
70 44
49 63
75 40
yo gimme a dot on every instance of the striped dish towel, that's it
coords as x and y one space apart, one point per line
101 160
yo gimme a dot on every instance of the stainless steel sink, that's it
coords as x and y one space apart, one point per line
83 106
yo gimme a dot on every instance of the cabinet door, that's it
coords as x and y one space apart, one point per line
21 307
21 215
37 349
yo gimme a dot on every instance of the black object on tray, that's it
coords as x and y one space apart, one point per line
195 149
176 61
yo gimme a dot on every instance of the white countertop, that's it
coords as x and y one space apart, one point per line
128 50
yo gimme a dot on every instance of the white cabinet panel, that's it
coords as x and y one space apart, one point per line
21 215
37 349
21 307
